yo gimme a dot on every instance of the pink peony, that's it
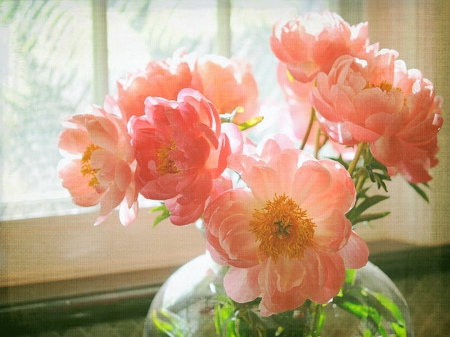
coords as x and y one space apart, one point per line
286 236
418 138
99 167
296 95
160 79
228 84
180 150
380 102
311 44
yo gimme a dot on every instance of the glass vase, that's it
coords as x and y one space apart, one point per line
192 302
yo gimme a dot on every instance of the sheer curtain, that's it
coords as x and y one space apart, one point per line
419 31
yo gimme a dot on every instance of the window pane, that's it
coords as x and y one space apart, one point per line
251 24
45 76
143 30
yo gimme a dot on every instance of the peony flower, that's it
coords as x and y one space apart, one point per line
160 79
296 95
311 44
285 237
99 167
381 103
228 84
422 122
180 150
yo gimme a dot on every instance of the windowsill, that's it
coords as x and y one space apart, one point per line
59 257
64 257
133 301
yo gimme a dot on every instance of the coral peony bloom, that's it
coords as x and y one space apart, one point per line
382 103
160 79
422 120
286 236
311 44
296 95
98 167
180 150
228 84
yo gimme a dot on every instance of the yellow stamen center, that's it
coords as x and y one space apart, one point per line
282 228
385 86
86 169
165 163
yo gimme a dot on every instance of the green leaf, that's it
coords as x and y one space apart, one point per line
169 324
224 314
368 333
362 193
390 309
376 171
377 310
364 205
370 217
421 192
350 276
164 215
250 123
353 307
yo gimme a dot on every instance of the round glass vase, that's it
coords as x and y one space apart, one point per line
192 302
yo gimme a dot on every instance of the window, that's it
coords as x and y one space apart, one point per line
50 72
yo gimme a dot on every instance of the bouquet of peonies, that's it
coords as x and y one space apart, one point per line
279 212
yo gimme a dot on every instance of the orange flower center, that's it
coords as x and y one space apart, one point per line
165 163
86 169
385 86
282 228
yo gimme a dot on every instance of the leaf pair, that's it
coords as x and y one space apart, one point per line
381 315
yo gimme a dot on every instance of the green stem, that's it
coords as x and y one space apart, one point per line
360 183
317 144
308 131
359 151
317 320
325 140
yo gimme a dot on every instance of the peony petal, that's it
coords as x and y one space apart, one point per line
227 220
279 295
331 233
69 171
123 175
355 253
74 141
388 150
241 284
103 133
111 200
333 271
235 137
127 214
